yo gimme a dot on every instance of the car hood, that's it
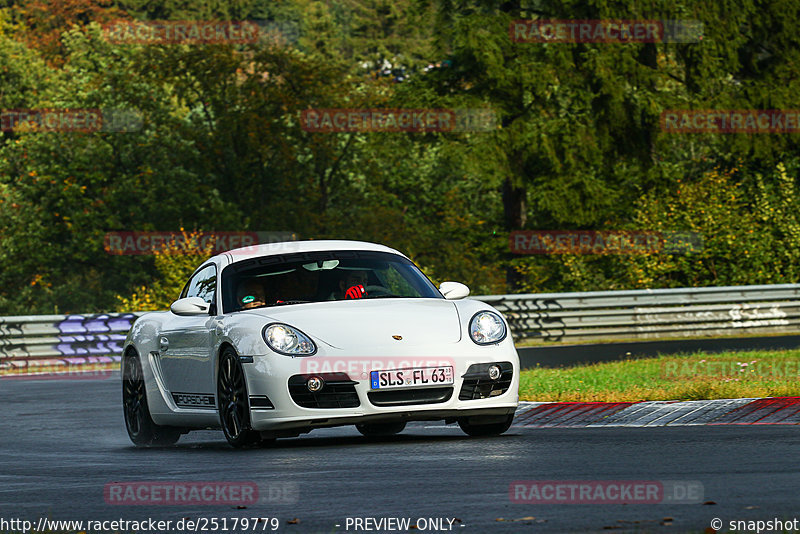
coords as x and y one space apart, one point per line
373 322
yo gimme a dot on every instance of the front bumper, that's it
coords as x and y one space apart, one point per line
269 376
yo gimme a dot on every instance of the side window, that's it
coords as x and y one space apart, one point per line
203 284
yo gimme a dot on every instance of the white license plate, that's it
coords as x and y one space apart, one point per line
418 376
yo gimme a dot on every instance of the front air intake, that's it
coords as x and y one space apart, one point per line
478 385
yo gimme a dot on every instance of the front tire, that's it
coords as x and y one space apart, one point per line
141 428
488 429
233 402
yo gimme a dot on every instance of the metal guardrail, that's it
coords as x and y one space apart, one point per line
63 339
651 313
545 317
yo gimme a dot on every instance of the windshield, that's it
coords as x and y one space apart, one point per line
321 276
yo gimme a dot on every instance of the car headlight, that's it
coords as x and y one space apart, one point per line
487 327
288 340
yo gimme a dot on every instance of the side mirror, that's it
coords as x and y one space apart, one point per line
453 290
189 306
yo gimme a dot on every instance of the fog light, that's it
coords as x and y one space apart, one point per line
494 372
314 384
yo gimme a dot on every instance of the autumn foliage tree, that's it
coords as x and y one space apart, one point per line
43 23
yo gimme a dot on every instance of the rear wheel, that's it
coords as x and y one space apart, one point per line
234 404
141 428
380 429
477 429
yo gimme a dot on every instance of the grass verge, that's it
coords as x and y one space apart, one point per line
694 376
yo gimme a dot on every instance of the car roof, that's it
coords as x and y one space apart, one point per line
290 247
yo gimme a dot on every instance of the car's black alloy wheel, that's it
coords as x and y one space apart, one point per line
233 402
141 428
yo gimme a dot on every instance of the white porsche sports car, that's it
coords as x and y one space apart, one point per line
276 340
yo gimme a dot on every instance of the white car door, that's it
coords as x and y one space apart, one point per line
186 355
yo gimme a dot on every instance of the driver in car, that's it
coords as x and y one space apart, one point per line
352 285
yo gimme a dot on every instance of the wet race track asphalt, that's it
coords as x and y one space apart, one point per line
64 442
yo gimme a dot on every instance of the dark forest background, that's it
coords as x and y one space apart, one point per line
578 142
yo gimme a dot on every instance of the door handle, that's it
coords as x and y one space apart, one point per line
164 344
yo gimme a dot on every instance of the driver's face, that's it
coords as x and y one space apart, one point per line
255 292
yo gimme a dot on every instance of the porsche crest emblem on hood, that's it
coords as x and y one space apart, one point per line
398 338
